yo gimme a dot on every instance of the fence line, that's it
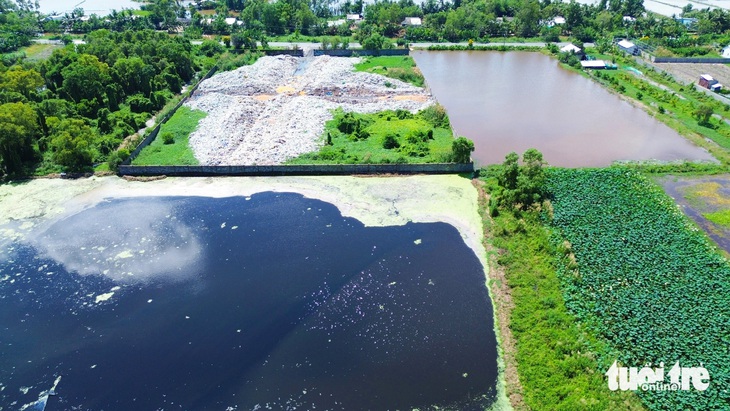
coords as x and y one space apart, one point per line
704 60
350 53
297 170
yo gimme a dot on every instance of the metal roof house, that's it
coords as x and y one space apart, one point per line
571 48
412 21
628 47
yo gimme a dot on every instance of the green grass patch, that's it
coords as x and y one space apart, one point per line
382 138
644 279
402 68
721 218
180 125
37 52
556 356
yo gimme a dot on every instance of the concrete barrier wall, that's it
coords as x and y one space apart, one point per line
691 60
296 170
350 53
293 53
153 134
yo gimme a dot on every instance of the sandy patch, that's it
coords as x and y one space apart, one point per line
263 97
285 89
411 98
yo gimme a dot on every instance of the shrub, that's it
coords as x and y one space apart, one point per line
211 48
436 115
117 158
168 138
390 142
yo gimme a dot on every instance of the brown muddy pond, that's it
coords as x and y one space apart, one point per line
512 101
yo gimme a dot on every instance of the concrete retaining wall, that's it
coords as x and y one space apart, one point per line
350 53
293 53
296 170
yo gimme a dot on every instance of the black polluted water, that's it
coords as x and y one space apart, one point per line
268 302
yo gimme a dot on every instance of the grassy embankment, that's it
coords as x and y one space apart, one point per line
384 137
402 68
672 103
555 356
180 125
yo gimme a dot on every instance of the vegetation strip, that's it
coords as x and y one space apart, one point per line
645 279
171 145
557 358
504 304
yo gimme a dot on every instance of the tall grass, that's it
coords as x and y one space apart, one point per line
180 125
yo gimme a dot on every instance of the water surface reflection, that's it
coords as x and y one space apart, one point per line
285 305
512 101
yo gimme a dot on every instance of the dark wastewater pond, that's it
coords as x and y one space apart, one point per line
272 301
512 101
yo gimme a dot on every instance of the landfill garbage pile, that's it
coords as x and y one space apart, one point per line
276 109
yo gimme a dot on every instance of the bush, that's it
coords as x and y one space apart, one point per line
435 115
390 142
117 158
211 48
168 138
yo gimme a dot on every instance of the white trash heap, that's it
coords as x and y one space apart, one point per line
276 109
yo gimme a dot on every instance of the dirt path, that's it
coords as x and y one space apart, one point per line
503 305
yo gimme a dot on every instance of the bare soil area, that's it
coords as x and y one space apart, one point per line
690 72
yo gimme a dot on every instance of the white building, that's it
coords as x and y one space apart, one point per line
628 47
726 52
570 48
412 21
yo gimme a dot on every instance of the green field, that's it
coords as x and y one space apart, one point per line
37 52
645 280
361 139
180 125
398 67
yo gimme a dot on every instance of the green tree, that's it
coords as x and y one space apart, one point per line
133 75
163 13
21 81
703 114
461 150
531 179
71 144
18 127
376 41
521 185
510 170
528 19
85 79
